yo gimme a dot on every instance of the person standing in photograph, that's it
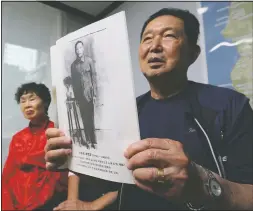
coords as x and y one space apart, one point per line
82 74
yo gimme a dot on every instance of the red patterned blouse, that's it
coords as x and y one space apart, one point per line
26 184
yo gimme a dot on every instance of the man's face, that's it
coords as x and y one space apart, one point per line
32 106
164 47
79 50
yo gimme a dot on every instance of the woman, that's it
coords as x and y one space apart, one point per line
26 184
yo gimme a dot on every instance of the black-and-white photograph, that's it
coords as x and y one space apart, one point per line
96 103
81 91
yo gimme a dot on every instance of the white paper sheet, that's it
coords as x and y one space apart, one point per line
97 95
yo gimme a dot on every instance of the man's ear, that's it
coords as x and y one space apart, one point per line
194 54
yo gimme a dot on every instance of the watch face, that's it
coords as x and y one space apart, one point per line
215 187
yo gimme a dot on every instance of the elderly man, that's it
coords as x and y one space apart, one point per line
196 147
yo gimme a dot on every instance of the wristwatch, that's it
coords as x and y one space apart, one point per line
214 190
213 186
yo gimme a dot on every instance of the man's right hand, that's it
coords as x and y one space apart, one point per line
57 149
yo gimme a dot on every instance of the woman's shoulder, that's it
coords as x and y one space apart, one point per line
50 124
21 132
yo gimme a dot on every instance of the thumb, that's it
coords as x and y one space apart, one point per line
105 200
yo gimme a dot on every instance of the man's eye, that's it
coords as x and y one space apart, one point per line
170 35
146 39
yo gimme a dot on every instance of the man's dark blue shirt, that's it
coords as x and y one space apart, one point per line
174 119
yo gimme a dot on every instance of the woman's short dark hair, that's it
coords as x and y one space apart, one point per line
191 23
39 89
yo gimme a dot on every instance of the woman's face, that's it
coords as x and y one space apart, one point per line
32 106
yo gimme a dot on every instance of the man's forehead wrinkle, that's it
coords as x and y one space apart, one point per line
175 24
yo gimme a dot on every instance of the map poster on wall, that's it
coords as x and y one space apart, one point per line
228 42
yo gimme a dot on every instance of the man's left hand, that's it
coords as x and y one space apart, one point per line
159 166
98 204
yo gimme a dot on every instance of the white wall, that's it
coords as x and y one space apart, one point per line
136 15
29 29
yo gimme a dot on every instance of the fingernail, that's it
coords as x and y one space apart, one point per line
68 141
68 151
126 154
62 133
128 166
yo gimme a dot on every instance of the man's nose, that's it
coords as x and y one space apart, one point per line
156 46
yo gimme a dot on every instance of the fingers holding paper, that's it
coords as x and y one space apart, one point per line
57 149
159 166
